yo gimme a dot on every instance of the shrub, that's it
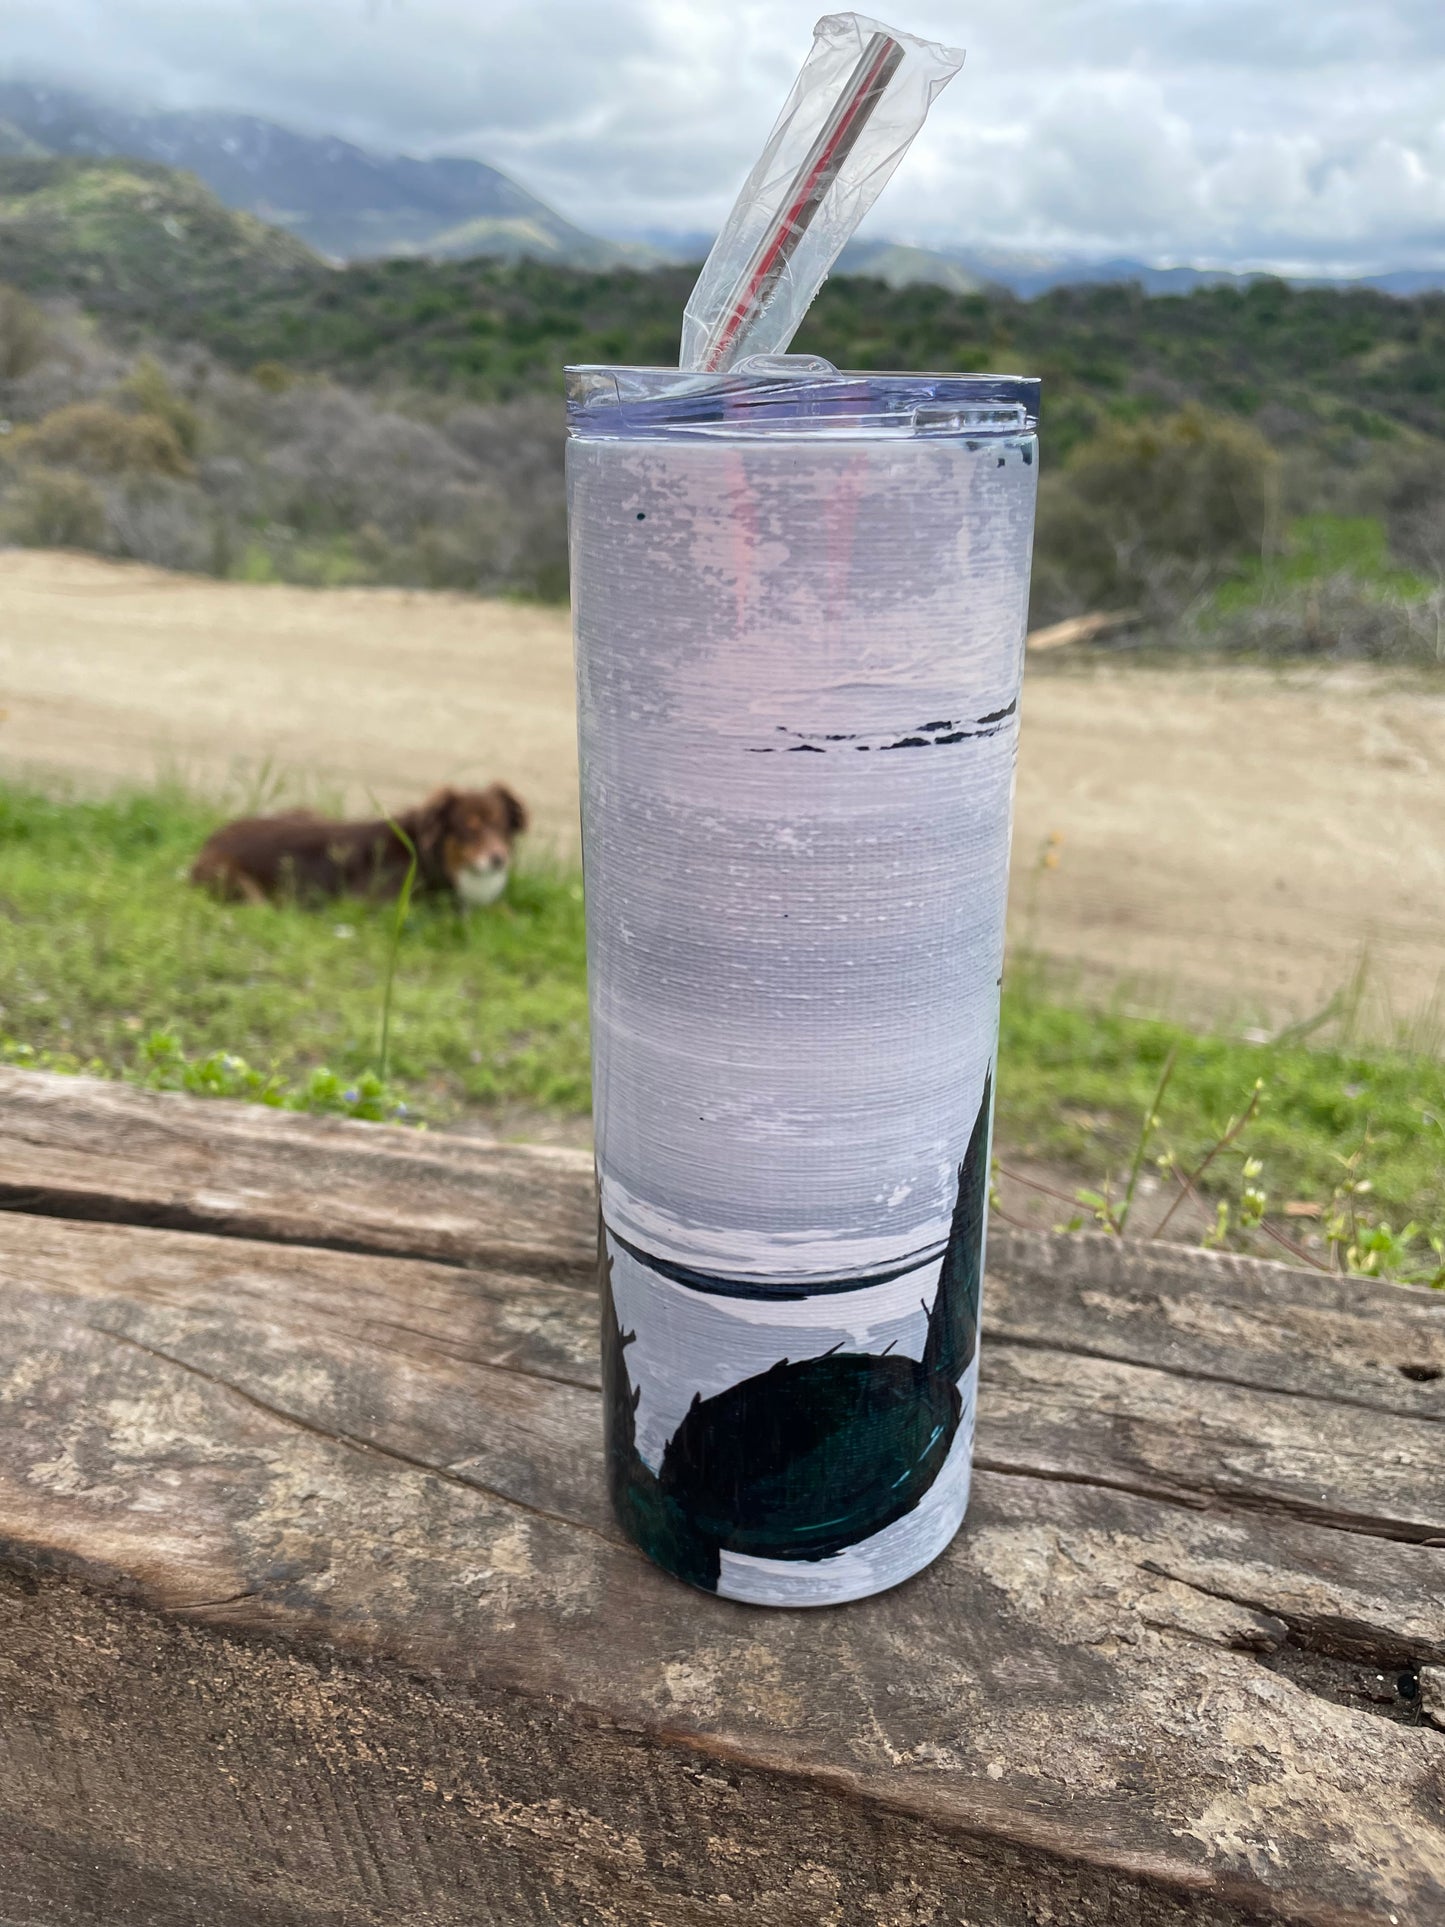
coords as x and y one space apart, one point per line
51 510
165 522
24 336
151 394
273 376
1150 512
1415 510
93 436
1338 616
76 366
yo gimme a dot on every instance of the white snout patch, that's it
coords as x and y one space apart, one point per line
479 884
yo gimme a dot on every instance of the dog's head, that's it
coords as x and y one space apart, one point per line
467 836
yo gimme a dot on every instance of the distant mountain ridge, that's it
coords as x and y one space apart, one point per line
339 199
1027 275
350 204
17 146
963 269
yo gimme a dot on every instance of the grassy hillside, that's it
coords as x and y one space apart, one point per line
15 144
130 237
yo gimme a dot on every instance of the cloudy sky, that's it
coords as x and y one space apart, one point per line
1288 133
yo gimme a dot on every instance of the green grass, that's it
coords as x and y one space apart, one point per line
1074 1084
108 957
102 943
1317 547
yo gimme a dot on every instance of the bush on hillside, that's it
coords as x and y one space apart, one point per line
283 475
1149 514
165 522
147 391
196 467
98 439
1337 617
24 335
1415 511
53 510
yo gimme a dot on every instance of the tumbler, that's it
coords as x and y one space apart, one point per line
799 600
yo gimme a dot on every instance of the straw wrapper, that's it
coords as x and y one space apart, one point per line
862 95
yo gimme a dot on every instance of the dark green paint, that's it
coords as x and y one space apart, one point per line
808 1457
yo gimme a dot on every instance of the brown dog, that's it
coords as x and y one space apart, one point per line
462 838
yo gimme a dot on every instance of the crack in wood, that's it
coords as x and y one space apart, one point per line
441 1349
85 1207
351 1441
208 1605
1199 1374
1214 1499
1225 1499
1331 1637
1345 1662
1389 1692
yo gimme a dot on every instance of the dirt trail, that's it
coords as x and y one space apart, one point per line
1233 839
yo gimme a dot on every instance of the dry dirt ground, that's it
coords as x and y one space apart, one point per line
1233 839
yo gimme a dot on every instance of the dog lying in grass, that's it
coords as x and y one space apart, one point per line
462 839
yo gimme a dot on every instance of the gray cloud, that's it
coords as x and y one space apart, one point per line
1244 131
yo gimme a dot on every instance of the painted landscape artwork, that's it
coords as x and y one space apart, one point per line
799 632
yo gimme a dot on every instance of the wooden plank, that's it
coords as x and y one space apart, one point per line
1197 1442
83 1148
1240 1320
442 1371
329 1625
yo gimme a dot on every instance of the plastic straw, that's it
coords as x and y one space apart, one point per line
836 140
860 99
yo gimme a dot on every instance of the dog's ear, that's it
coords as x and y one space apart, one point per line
514 811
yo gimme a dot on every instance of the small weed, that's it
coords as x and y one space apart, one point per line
1361 1243
1112 1216
161 1064
1352 1241
403 908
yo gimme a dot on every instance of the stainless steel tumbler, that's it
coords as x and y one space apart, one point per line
800 601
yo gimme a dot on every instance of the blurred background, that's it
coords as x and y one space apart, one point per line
286 287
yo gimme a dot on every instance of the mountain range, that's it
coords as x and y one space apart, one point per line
965 270
349 204
339 199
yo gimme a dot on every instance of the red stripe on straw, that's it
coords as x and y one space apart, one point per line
880 61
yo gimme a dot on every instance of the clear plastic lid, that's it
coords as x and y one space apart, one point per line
796 395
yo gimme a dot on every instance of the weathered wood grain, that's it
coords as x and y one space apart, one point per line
83 1148
448 1364
329 1625
1251 1325
1239 1320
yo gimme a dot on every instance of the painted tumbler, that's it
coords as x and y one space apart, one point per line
800 601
